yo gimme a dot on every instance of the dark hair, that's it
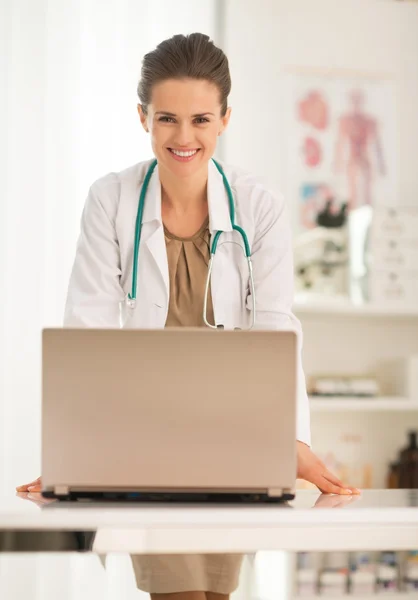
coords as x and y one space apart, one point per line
194 56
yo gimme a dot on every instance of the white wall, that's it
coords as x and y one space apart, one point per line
68 115
264 38
68 76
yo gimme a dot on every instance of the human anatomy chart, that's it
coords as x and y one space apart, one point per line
341 145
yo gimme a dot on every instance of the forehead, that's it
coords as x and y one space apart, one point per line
185 96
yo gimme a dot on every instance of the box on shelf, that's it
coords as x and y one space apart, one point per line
343 385
362 583
333 583
387 579
394 255
411 579
394 222
370 574
393 287
306 582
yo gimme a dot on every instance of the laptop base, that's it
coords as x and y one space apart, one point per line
171 497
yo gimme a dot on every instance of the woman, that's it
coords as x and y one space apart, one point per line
183 94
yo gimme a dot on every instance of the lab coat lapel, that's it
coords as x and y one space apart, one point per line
152 237
153 244
219 220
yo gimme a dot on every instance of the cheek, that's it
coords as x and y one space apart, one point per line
158 138
210 138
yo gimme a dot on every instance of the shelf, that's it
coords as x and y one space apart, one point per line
338 404
346 308
394 596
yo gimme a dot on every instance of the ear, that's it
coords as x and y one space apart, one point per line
143 117
225 120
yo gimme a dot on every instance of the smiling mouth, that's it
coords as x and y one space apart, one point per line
183 155
184 152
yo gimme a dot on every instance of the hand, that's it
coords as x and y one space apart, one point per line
313 470
35 497
33 486
32 491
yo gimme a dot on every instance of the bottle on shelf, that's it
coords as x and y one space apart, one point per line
411 572
392 480
362 580
306 575
333 580
408 463
387 581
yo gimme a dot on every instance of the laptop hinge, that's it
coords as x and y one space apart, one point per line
275 492
61 490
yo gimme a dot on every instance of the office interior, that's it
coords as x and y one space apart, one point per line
324 108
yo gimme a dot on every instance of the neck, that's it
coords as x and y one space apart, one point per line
183 195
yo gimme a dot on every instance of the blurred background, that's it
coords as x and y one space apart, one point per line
324 97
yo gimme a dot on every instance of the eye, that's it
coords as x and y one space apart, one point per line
201 120
166 119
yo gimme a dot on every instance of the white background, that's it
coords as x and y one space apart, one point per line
68 75
68 78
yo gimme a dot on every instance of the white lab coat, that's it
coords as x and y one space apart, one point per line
102 273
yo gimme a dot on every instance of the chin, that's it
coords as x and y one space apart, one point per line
185 169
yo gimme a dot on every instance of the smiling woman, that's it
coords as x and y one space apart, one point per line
186 202
183 94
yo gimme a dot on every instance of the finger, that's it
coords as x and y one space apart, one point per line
355 490
34 488
333 479
30 487
327 487
24 488
338 483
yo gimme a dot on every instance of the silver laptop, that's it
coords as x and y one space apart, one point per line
169 414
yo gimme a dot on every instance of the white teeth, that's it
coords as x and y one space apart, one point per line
179 153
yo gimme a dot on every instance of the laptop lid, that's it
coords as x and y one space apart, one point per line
169 410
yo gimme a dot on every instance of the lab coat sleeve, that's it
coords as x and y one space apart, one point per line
94 292
272 257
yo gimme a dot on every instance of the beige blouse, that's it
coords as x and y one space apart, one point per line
188 260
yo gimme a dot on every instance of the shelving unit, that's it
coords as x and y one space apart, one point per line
355 404
397 596
340 339
346 308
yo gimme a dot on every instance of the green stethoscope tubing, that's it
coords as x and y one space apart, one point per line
214 245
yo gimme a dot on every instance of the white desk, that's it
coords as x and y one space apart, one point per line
376 520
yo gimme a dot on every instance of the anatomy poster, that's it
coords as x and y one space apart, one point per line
341 145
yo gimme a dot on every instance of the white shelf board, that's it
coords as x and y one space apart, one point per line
393 596
339 404
346 308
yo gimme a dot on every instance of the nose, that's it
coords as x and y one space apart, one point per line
184 134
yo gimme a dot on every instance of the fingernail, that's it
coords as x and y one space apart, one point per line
32 487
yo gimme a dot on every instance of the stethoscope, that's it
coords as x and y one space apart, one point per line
131 299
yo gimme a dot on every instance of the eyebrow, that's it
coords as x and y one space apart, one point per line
170 114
